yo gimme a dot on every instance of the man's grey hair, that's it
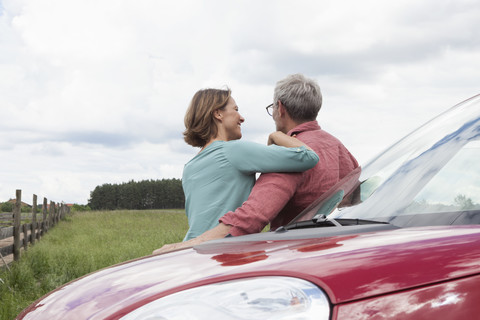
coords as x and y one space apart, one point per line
301 97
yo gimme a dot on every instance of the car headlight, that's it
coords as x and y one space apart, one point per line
251 298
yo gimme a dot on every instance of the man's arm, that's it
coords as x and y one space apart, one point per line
269 195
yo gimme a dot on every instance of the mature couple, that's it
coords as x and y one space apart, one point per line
300 163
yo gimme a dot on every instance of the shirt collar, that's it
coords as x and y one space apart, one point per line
306 126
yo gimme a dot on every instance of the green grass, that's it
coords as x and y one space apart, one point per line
83 243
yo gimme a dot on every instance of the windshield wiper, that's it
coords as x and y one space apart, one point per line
317 221
324 221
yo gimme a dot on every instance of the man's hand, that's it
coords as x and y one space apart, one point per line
220 231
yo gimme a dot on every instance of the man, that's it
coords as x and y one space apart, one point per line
277 198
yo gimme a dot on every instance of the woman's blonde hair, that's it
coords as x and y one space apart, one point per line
199 121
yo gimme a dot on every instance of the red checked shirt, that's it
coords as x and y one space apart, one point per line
277 198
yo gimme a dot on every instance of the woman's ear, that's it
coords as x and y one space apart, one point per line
217 115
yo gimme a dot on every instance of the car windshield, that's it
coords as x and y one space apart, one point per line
434 170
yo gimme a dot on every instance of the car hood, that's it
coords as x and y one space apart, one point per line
348 267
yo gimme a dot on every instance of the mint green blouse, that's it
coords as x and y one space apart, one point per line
219 179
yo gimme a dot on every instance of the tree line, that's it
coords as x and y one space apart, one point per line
132 195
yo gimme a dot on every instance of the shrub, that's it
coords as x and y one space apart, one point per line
6 207
80 207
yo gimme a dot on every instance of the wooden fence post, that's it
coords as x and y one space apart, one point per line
64 211
57 215
51 213
33 231
44 222
16 225
25 236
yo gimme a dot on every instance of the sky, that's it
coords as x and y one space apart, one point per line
95 91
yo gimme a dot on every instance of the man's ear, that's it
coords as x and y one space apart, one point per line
281 109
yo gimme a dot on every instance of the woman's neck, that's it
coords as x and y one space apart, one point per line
212 140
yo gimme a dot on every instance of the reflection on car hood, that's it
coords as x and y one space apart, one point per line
347 267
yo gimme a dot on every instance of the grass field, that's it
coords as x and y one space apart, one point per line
85 242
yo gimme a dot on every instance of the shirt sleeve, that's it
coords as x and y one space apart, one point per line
269 195
347 162
250 157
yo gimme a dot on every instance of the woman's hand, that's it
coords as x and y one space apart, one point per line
173 247
220 231
281 139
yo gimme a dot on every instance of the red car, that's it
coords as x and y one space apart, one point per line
399 239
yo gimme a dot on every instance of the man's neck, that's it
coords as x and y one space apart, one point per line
290 125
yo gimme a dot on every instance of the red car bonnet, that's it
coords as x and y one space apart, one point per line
348 268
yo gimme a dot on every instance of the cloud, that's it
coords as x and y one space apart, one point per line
94 92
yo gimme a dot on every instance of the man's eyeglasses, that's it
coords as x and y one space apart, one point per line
270 109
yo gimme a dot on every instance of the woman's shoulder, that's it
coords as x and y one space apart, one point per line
240 144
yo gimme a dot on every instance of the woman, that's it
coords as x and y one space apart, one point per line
220 177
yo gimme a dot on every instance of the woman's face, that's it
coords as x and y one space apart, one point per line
232 120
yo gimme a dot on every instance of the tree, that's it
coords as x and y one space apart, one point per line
146 194
464 203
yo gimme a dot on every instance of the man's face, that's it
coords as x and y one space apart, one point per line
279 126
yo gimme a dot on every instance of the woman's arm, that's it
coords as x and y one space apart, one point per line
251 157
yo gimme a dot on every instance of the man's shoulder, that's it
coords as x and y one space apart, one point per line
305 127
318 135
